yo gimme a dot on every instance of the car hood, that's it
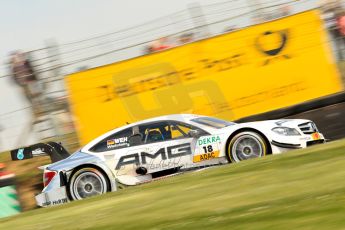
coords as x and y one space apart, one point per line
266 125
293 123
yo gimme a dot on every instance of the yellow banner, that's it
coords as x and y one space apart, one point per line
250 71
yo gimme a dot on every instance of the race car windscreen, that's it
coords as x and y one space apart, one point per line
212 122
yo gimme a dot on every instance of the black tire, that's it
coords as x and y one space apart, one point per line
87 182
246 145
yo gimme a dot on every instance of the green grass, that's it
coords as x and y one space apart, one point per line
299 190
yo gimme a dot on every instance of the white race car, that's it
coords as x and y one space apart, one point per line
163 146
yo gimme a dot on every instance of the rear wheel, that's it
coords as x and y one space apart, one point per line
87 182
246 145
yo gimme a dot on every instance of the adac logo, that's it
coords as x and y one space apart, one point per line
272 44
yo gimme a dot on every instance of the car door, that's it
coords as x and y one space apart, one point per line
164 146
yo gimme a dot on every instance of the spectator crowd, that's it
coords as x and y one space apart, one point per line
334 17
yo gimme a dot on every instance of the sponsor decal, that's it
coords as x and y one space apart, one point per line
207 149
55 202
316 136
208 140
206 156
117 142
276 52
20 154
110 142
170 152
38 151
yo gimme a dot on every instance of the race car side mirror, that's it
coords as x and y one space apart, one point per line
196 133
135 140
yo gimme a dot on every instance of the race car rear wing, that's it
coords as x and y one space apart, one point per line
54 150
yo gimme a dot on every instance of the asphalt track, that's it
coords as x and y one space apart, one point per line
330 120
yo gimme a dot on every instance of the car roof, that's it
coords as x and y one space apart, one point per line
174 117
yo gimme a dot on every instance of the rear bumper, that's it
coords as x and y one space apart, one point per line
54 197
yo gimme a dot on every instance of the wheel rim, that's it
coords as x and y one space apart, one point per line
88 184
247 147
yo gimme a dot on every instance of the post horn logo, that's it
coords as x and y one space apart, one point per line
274 53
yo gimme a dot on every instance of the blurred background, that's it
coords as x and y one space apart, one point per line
52 47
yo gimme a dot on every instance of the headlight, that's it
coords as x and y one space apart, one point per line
285 131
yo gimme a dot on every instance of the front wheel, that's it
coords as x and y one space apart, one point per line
87 182
246 145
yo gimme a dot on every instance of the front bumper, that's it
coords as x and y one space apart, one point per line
55 196
284 143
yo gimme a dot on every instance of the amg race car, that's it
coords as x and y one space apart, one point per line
159 147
